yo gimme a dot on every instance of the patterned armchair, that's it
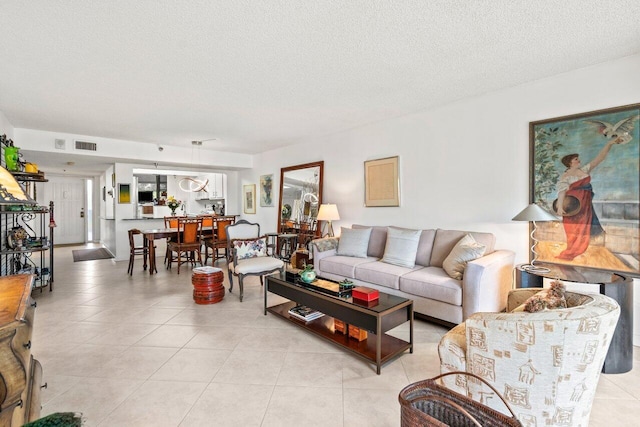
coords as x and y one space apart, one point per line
545 364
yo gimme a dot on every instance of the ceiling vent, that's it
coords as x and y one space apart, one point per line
89 146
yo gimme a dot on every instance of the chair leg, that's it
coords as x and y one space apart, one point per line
179 260
230 274
240 277
130 269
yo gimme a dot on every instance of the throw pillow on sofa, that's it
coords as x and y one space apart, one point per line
354 242
467 249
401 247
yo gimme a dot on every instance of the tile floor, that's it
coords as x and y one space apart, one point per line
137 351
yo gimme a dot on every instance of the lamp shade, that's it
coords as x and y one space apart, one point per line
328 212
10 191
534 212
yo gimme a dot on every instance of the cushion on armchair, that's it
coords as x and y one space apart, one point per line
250 248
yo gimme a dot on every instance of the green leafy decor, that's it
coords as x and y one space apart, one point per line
58 419
547 144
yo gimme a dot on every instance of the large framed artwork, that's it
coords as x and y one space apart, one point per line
249 197
266 190
382 182
585 168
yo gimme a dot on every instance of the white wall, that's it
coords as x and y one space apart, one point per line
5 127
464 165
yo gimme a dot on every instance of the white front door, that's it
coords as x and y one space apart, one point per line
68 195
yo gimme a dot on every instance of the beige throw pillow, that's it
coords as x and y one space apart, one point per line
467 249
354 242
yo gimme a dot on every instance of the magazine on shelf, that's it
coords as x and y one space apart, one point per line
305 313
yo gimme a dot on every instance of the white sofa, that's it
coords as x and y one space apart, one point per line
484 287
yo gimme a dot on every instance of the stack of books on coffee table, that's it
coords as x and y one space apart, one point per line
305 313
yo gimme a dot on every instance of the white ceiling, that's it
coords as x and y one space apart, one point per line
257 75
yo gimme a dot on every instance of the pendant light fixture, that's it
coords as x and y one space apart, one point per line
193 185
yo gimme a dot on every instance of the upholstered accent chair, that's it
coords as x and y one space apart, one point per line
545 364
247 254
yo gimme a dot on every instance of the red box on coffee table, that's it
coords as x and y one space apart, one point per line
364 294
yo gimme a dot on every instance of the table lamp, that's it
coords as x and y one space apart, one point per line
10 191
328 212
533 213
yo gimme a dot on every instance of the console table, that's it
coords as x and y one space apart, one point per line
620 288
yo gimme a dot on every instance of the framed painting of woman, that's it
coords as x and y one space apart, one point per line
586 169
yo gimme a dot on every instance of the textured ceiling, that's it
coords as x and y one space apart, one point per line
257 75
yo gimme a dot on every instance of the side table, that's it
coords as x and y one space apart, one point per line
614 285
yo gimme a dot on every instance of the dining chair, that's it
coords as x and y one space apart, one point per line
136 247
169 222
218 240
187 243
247 254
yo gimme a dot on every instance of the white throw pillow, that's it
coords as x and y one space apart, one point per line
354 242
401 247
467 249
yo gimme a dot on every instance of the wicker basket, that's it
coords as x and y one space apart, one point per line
428 403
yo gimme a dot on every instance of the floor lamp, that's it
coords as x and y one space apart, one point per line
328 212
533 213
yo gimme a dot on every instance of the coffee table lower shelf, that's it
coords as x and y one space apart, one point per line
391 347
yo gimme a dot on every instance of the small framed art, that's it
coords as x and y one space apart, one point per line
249 197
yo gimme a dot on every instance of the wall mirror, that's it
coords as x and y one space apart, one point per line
300 196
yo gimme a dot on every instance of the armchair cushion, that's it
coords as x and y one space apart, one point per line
256 265
250 248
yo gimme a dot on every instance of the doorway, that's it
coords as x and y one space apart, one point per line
71 207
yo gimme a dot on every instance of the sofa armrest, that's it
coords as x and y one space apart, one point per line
323 248
486 283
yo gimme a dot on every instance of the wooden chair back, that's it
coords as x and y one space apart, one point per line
171 221
189 230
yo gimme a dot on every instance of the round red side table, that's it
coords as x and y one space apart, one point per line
207 285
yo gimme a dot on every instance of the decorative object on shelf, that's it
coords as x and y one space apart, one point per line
382 182
266 190
12 157
286 211
10 191
328 212
584 167
173 204
249 198
308 274
533 213
16 237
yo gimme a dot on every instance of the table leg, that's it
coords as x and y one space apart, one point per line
152 257
145 253
411 328
378 344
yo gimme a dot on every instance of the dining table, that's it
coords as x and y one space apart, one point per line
164 233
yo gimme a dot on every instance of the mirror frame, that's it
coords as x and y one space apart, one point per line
319 164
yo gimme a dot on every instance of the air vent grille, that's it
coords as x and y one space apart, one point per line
89 146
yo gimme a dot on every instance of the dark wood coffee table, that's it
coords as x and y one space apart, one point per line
389 312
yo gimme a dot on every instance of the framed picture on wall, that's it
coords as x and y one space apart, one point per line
249 197
266 190
585 168
382 182
124 193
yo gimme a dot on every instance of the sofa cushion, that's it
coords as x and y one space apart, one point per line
425 246
445 240
467 249
354 242
433 283
401 247
377 240
343 265
381 273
